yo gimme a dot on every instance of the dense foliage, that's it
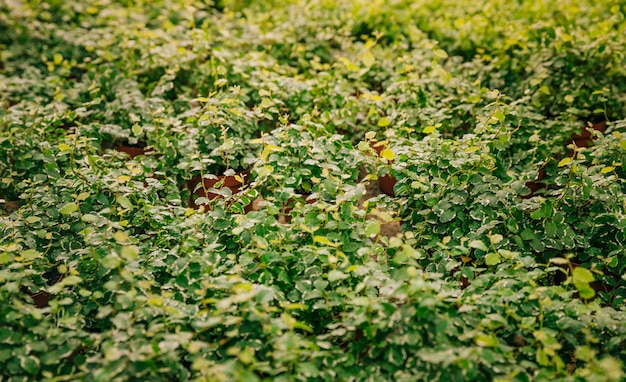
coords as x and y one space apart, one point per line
503 122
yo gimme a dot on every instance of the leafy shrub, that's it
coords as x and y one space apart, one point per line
510 264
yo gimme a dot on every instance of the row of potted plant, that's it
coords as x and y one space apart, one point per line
108 272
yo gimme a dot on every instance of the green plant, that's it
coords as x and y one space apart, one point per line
107 273
304 159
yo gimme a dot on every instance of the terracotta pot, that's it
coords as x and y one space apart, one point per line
131 151
387 182
9 206
597 285
42 298
285 213
584 138
536 185
228 181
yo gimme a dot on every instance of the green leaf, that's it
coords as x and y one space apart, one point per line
537 245
585 291
492 258
324 240
111 261
368 59
264 171
551 229
130 252
484 340
69 208
89 218
124 201
137 129
5 258
440 53
495 239
499 115
336 275
31 254
372 229
537 214
112 354
32 219
477 244
585 353
564 162
121 237
30 364
447 215
607 169
581 278
559 260
582 275
542 357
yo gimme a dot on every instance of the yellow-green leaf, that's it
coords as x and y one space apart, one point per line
30 254
429 129
478 244
68 208
323 240
121 237
268 150
372 229
582 275
492 258
388 154
440 53
383 122
32 219
564 162
64 147
607 169
82 196
264 171
485 340
130 252
137 129
124 201
499 115
368 59
495 239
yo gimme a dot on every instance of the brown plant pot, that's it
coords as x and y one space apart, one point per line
10 205
584 138
387 182
536 185
228 181
42 298
597 285
285 213
132 152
